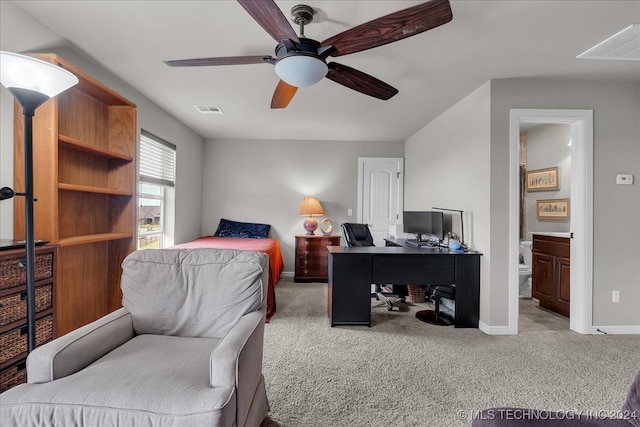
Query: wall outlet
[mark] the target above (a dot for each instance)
(349, 212)
(615, 296)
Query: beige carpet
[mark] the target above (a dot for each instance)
(402, 372)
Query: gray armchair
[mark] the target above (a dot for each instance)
(185, 350)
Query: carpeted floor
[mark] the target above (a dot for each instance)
(403, 372)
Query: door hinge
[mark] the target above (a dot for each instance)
(398, 175)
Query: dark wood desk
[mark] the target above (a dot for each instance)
(352, 270)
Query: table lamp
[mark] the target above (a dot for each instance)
(32, 82)
(310, 207)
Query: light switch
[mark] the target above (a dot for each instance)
(624, 179)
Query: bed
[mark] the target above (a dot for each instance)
(263, 244)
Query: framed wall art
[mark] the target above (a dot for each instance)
(552, 209)
(543, 179)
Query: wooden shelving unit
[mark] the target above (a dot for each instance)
(85, 185)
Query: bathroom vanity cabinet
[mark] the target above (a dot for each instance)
(551, 272)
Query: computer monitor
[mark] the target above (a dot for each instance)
(426, 225)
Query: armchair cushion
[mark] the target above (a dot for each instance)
(192, 293)
(139, 383)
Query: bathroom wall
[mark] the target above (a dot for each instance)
(548, 146)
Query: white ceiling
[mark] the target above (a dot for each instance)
(433, 70)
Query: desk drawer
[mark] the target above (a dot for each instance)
(432, 270)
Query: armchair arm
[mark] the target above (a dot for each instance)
(237, 360)
(72, 352)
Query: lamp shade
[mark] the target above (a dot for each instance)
(24, 72)
(301, 70)
(310, 206)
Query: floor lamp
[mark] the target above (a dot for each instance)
(32, 82)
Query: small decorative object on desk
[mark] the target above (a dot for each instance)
(454, 245)
(326, 227)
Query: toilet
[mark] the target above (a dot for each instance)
(524, 270)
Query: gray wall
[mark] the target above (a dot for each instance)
(265, 181)
(447, 165)
(616, 208)
(616, 213)
(548, 146)
(150, 117)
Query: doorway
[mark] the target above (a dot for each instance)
(380, 194)
(581, 275)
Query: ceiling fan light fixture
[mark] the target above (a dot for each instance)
(301, 70)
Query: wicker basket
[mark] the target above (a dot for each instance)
(12, 376)
(13, 272)
(14, 342)
(416, 293)
(14, 307)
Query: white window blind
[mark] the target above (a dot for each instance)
(157, 160)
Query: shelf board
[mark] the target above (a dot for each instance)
(90, 189)
(92, 149)
(92, 238)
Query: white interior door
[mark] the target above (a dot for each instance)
(380, 194)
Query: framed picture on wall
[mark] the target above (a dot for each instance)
(552, 209)
(543, 179)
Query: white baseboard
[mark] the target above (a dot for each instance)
(595, 330)
(287, 274)
(616, 330)
(495, 330)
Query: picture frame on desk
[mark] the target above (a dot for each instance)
(326, 227)
(543, 179)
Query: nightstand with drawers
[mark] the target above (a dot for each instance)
(13, 309)
(312, 257)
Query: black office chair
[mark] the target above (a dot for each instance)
(435, 317)
(359, 235)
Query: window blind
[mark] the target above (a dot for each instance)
(157, 160)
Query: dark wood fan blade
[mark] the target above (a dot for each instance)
(390, 28)
(223, 60)
(283, 95)
(362, 82)
(270, 17)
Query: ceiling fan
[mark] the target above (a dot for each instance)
(301, 61)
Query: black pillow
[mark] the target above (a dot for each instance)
(251, 230)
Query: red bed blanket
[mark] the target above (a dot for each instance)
(270, 247)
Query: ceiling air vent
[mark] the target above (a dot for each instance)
(209, 109)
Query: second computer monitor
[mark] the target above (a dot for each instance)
(425, 225)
